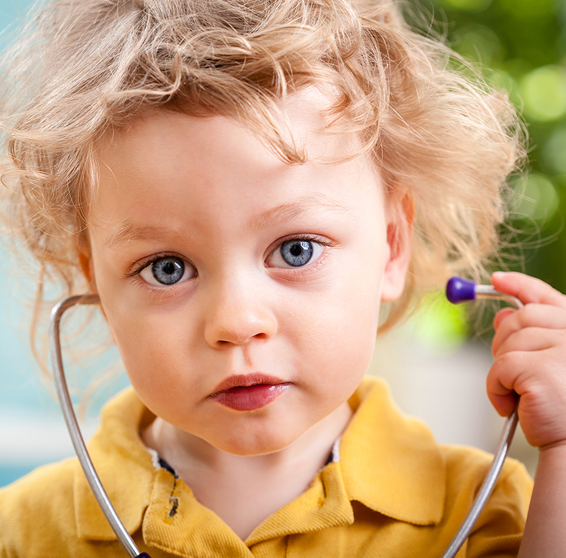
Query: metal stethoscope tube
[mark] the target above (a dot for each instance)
(458, 290)
(73, 425)
(461, 290)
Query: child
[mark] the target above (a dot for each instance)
(243, 183)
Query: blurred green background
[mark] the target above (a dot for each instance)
(519, 46)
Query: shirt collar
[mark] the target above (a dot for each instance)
(391, 463)
(119, 455)
(388, 462)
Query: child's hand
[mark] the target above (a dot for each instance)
(529, 348)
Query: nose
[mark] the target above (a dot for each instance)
(237, 313)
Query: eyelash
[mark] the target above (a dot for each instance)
(309, 268)
(138, 267)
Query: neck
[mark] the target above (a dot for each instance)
(245, 490)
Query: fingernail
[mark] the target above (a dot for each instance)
(498, 274)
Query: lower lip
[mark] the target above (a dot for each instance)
(250, 398)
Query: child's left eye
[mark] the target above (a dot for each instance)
(296, 252)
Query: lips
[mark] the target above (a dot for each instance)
(249, 392)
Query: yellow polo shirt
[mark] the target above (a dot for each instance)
(394, 492)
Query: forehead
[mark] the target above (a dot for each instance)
(303, 120)
(218, 164)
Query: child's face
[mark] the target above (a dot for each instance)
(216, 261)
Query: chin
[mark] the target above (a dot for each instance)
(252, 444)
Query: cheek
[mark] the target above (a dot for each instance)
(336, 335)
(151, 346)
(348, 338)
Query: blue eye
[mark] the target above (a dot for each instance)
(296, 252)
(167, 271)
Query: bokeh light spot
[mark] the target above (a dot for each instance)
(503, 81)
(440, 325)
(544, 93)
(479, 42)
(554, 151)
(536, 197)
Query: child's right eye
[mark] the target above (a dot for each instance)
(167, 271)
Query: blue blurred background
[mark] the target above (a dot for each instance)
(32, 431)
(520, 46)
(24, 403)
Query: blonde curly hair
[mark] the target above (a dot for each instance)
(433, 127)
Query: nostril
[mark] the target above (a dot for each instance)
(238, 324)
(241, 340)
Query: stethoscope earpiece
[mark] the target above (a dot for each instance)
(460, 290)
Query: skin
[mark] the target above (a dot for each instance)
(208, 191)
(529, 349)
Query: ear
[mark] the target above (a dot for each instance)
(85, 261)
(83, 252)
(401, 216)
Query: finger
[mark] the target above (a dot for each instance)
(529, 340)
(500, 316)
(502, 398)
(540, 382)
(527, 289)
(505, 381)
(503, 403)
(522, 372)
(508, 321)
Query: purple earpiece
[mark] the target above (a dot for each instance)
(460, 290)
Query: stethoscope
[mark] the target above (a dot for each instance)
(457, 290)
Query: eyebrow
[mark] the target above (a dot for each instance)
(299, 208)
(130, 232)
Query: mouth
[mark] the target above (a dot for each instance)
(249, 392)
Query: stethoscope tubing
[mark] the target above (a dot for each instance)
(487, 292)
(486, 488)
(481, 291)
(73, 425)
